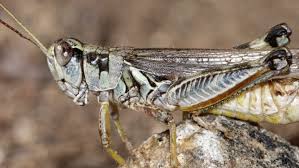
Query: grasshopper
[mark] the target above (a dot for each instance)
(255, 81)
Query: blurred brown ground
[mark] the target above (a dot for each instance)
(41, 127)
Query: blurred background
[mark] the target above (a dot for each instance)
(41, 127)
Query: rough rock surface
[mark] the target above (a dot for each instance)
(212, 141)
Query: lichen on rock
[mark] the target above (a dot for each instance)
(217, 141)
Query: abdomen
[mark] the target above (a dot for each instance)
(275, 102)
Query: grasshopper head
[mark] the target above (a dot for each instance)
(65, 60)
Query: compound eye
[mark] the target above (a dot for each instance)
(63, 52)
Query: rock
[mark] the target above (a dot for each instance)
(217, 141)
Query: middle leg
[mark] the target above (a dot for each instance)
(167, 118)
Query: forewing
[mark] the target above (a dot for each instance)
(185, 62)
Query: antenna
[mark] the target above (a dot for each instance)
(35, 41)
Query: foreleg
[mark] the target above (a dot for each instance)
(105, 128)
(120, 130)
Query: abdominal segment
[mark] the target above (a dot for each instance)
(275, 101)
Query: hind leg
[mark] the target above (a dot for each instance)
(277, 36)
